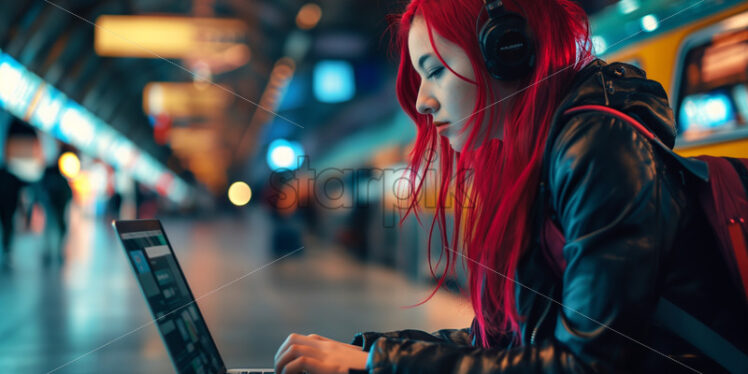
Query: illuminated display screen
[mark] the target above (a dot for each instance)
(177, 316)
(706, 112)
(712, 102)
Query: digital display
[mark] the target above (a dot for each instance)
(707, 111)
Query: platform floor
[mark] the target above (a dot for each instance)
(87, 315)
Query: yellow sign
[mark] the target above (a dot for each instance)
(165, 36)
(180, 100)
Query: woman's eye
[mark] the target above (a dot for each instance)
(435, 73)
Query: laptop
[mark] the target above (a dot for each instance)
(176, 314)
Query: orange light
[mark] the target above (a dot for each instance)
(308, 17)
(69, 165)
(82, 188)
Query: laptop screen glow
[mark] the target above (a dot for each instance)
(177, 315)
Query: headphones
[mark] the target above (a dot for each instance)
(505, 42)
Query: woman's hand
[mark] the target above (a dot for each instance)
(316, 354)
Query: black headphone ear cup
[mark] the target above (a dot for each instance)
(507, 47)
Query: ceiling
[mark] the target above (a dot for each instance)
(55, 40)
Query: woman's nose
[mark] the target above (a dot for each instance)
(426, 104)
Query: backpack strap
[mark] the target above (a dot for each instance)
(725, 204)
(690, 329)
(667, 314)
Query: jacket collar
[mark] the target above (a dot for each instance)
(626, 88)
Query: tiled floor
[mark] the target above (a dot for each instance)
(88, 315)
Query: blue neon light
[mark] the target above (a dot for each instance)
(48, 110)
(284, 154)
(334, 81)
(18, 86)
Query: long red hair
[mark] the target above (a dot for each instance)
(493, 201)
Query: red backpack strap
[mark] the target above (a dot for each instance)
(725, 204)
(616, 113)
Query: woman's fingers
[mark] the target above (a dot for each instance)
(295, 352)
(292, 339)
(305, 365)
(317, 354)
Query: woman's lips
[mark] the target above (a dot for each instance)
(441, 126)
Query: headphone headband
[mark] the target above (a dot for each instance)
(494, 8)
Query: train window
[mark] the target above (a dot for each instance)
(713, 95)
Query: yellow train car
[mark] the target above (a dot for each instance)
(698, 50)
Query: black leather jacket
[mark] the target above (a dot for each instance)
(634, 233)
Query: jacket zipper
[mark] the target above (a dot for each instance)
(540, 321)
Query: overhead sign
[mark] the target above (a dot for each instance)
(166, 36)
(179, 100)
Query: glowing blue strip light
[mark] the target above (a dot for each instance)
(28, 97)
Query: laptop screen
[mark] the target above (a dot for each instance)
(177, 315)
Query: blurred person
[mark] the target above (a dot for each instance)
(53, 192)
(146, 202)
(283, 203)
(10, 189)
(286, 231)
(633, 229)
(353, 234)
(114, 206)
(24, 164)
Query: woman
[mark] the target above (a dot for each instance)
(633, 230)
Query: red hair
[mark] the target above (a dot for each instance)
(495, 199)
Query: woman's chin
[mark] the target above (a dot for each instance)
(459, 144)
(456, 144)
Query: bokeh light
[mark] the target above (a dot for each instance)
(240, 193)
(650, 22)
(284, 154)
(69, 164)
(308, 17)
(334, 81)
